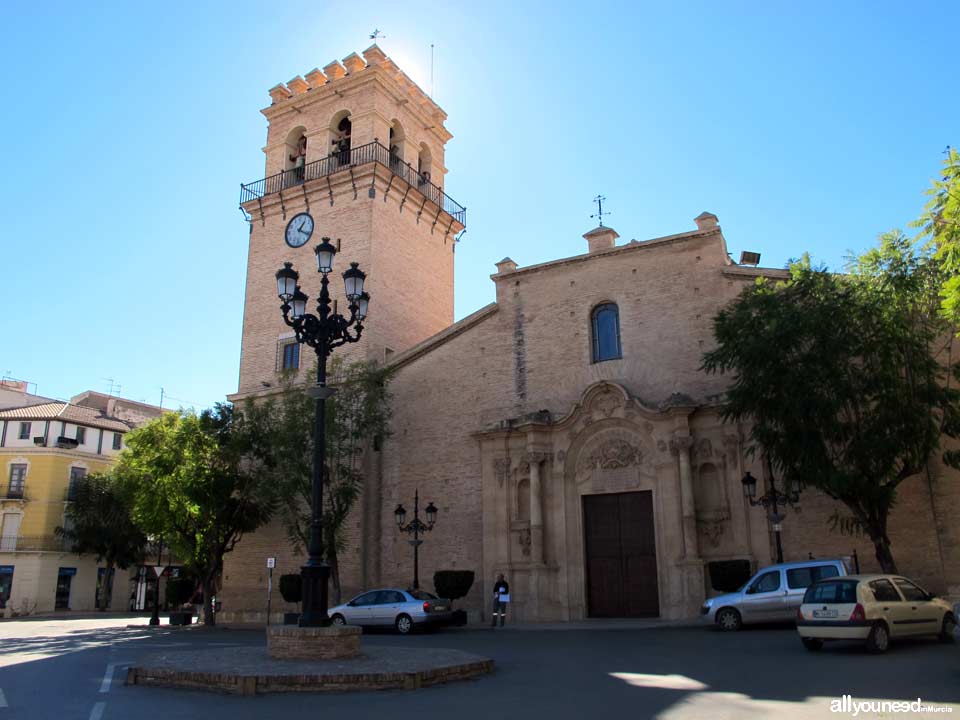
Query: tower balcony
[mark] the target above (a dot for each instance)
(345, 159)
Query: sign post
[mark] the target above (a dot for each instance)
(271, 564)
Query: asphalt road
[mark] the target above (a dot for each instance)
(74, 670)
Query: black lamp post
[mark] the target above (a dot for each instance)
(772, 499)
(155, 618)
(323, 332)
(416, 527)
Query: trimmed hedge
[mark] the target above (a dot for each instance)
(453, 584)
(291, 588)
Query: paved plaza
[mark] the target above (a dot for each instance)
(74, 669)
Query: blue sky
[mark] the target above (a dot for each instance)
(128, 127)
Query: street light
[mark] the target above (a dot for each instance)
(416, 527)
(155, 617)
(324, 332)
(770, 499)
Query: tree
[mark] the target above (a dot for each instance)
(200, 482)
(940, 226)
(844, 379)
(356, 416)
(100, 523)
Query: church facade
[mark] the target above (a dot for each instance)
(565, 432)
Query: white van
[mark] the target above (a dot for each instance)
(773, 594)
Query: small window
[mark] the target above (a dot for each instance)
(768, 582)
(605, 323)
(910, 591)
(117, 439)
(81, 435)
(884, 591)
(24, 431)
(291, 356)
(76, 475)
(18, 475)
(841, 593)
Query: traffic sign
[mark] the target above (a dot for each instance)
(158, 570)
(271, 562)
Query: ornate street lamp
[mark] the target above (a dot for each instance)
(771, 499)
(323, 332)
(416, 527)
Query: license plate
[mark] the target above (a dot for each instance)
(825, 613)
(440, 608)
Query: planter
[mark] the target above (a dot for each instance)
(181, 618)
(291, 618)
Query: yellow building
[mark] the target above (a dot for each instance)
(46, 447)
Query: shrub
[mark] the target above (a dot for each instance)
(179, 591)
(452, 584)
(291, 588)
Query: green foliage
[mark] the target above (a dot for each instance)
(291, 588)
(843, 379)
(453, 584)
(940, 226)
(356, 416)
(100, 524)
(200, 482)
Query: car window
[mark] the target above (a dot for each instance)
(838, 592)
(884, 591)
(910, 591)
(366, 599)
(422, 595)
(822, 572)
(800, 577)
(393, 597)
(768, 582)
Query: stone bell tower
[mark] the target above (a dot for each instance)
(360, 148)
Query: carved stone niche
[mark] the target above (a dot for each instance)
(501, 468)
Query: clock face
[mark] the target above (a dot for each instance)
(299, 230)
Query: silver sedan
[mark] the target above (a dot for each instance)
(403, 609)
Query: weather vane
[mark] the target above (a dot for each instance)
(376, 34)
(600, 213)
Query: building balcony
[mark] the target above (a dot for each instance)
(32, 543)
(14, 493)
(343, 161)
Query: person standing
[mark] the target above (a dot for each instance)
(501, 596)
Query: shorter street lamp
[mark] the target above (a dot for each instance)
(416, 527)
(155, 618)
(772, 499)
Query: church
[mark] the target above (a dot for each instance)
(565, 432)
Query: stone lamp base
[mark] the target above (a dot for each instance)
(313, 643)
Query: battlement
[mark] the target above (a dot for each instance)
(342, 72)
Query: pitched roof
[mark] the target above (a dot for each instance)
(66, 412)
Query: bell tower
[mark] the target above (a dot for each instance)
(358, 147)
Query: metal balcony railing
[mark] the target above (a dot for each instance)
(41, 543)
(342, 160)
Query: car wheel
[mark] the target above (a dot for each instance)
(729, 620)
(338, 619)
(812, 644)
(879, 638)
(404, 624)
(947, 629)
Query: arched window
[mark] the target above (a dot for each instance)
(397, 138)
(295, 155)
(605, 322)
(340, 129)
(424, 163)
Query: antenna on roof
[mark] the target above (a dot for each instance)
(600, 213)
(376, 34)
(431, 71)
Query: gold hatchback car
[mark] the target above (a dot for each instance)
(872, 608)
